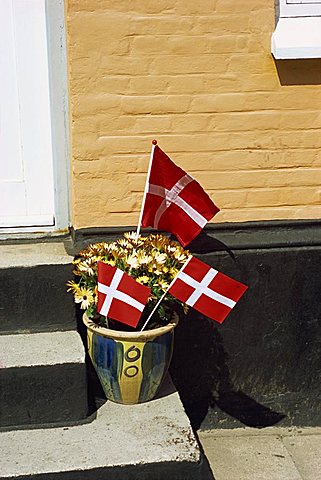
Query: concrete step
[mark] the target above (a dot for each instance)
(150, 441)
(33, 288)
(42, 378)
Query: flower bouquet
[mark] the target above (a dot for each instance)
(152, 260)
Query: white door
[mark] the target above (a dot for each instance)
(26, 158)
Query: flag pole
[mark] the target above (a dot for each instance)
(154, 143)
(157, 304)
(165, 293)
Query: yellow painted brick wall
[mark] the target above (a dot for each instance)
(199, 77)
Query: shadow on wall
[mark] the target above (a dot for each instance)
(299, 72)
(200, 363)
(200, 372)
(262, 366)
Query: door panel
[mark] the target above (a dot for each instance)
(26, 160)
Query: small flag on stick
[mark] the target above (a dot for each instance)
(173, 200)
(120, 297)
(207, 290)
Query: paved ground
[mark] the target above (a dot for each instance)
(269, 454)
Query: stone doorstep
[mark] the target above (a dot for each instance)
(43, 378)
(34, 253)
(150, 441)
(33, 279)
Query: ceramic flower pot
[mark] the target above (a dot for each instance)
(130, 365)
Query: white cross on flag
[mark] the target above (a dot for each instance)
(175, 202)
(120, 297)
(207, 290)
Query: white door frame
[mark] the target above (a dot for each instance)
(58, 85)
(58, 80)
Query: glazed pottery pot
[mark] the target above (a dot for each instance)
(130, 365)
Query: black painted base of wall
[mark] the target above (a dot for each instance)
(262, 366)
(224, 236)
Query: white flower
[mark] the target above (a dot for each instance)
(160, 257)
(144, 259)
(132, 261)
(179, 256)
(130, 235)
(124, 243)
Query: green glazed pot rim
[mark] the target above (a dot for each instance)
(137, 336)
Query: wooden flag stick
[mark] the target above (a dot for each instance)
(154, 143)
(157, 304)
(164, 294)
(153, 311)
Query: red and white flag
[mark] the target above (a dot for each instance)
(207, 290)
(119, 296)
(174, 201)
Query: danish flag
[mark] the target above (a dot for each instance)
(175, 202)
(119, 296)
(207, 290)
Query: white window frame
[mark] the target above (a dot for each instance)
(300, 8)
(298, 31)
